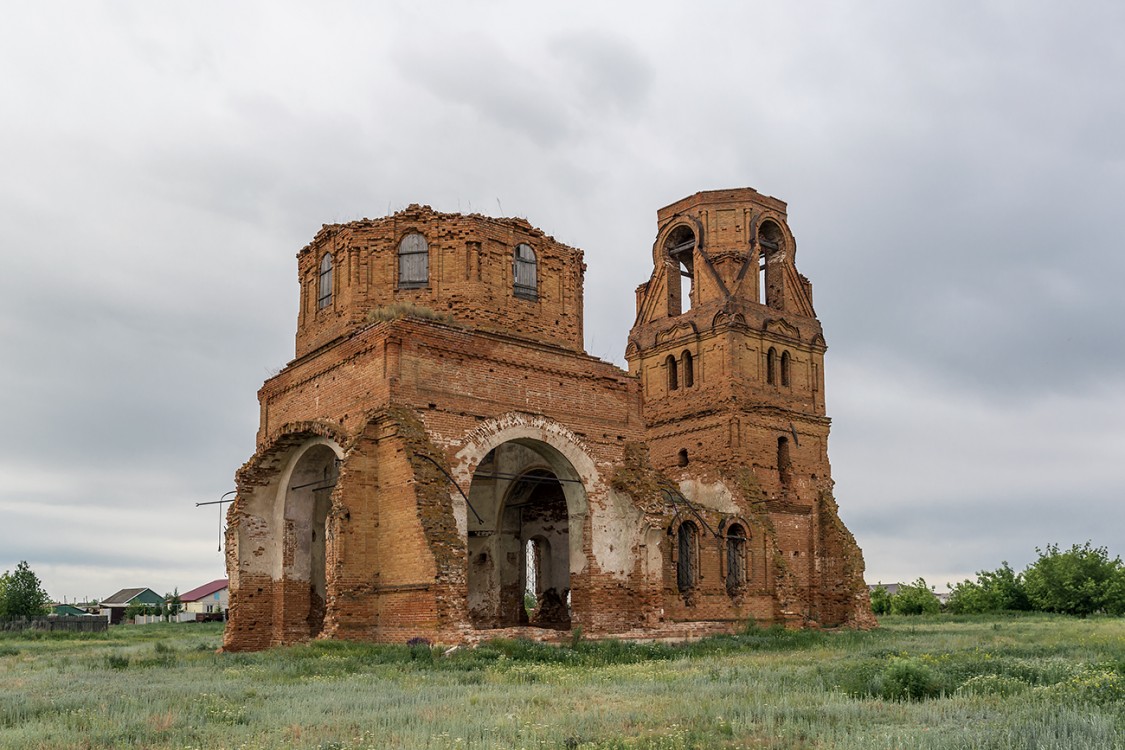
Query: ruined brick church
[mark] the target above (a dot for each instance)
(443, 460)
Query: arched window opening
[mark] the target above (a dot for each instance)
(689, 369)
(687, 557)
(673, 374)
(737, 572)
(413, 262)
(683, 457)
(324, 290)
(771, 366)
(785, 369)
(537, 573)
(526, 284)
(680, 248)
(770, 239)
(784, 463)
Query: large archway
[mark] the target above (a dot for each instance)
(526, 494)
(307, 498)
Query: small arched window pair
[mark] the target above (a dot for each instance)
(324, 288)
(525, 272)
(773, 364)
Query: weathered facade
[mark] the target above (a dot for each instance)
(442, 452)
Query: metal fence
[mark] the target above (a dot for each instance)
(73, 623)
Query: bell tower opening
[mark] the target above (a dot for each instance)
(770, 265)
(680, 249)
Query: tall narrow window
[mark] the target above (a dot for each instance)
(771, 366)
(687, 557)
(689, 369)
(413, 262)
(526, 279)
(736, 558)
(680, 247)
(785, 369)
(324, 289)
(673, 375)
(770, 268)
(784, 463)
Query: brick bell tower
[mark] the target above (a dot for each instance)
(730, 357)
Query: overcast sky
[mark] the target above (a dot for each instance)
(955, 173)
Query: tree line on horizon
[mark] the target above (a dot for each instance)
(1080, 581)
(22, 595)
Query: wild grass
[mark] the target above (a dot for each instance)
(405, 309)
(987, 682)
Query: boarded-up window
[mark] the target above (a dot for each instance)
(673, 374)
(736, 557)
(324, 290)
(771, 366)
(785, 368)
(784, 462)
(689, 369)
(526, 275)
(687, 556)
(413, 262)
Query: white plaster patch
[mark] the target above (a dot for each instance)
(615, 534)
(714, 496)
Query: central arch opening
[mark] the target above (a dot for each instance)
(519, 549)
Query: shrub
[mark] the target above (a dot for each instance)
(907, 679)
(880, 601)
(1098, 686)
(992, 591)
(992, 684)
(915, 599)
(116, 661)
(1080, 581)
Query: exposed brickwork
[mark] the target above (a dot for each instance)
(442, 444)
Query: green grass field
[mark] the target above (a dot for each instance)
(971, 682)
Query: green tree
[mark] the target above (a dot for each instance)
(915, 599)
(880, 600)
(1006, 587)
(992, 591)
(134, 610)
(1080, 581)
(173, 605)
(22, 594)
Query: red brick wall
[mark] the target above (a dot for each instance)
(471, 261)
(451, 369)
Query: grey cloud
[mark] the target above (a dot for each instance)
(609, 71)
(499, 89)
